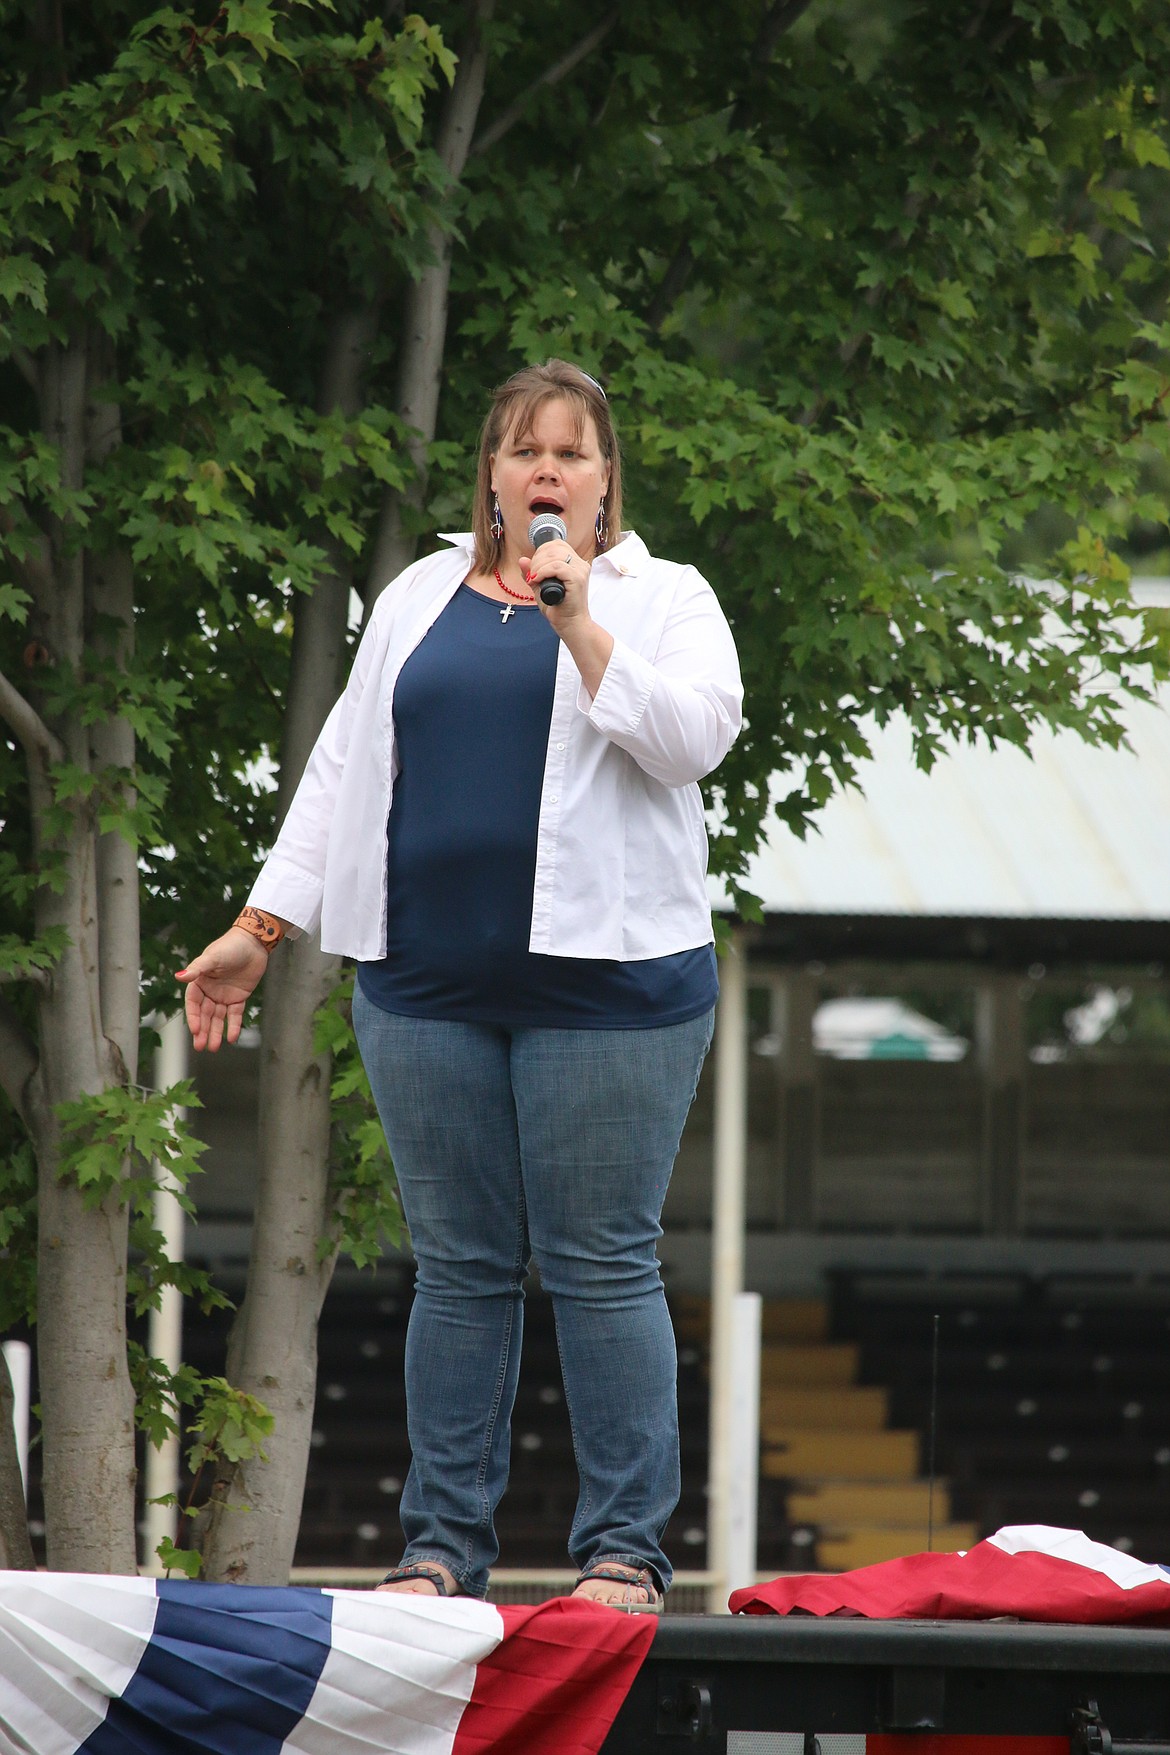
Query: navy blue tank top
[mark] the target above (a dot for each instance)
(472, 708)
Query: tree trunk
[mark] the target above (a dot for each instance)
(273, 1349)
(254, 1514)
(86, 1399)
(87, 1404)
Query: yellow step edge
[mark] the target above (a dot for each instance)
(891, 1503)
(840, 1456)
(788, 1404)
(868, 1547)
(781, 1319)
(795, 1319)
(792, 1362)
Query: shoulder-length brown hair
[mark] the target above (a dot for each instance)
(514, 404)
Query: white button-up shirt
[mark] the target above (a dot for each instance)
(621, 844)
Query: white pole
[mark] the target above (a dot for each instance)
(165, 1334)
(744, 1462)
(727, 1228)
(18, 1358)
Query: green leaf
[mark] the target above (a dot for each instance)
(14, 602)
(1150, 148)
(183, 1560)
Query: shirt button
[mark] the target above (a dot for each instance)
(560, 746)
(554, 799)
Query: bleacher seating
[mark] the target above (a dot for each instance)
(1052, 1403)
(1052, 1407)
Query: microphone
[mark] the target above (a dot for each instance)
(547, 527)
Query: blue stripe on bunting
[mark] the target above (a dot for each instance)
(229, 1670)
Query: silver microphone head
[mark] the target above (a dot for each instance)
(547, 527)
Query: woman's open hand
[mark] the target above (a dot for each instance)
(219, 983)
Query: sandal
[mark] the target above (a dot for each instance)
(418, 1569)
(633, 1577)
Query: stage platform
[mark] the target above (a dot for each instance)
(764, 1685)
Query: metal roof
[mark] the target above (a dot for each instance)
(1065, 830)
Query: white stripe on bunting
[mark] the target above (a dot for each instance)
(411, 1658)
(69, 1642)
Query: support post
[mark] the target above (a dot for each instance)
(165, 1332)
(18, 1358)
(796, 996)
(727, 1250)
(744, 1461)
(999, 1035)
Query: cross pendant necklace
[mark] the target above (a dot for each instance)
(509, 609)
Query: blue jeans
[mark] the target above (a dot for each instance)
(511, 1144)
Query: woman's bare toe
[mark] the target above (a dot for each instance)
(619, 1586)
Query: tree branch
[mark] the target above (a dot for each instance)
(424, 322)
(319, 620)
(18, 1062)
(23, 719)
(109, 592)
(551, 76)
(780, 17)
(26, 366)
(347, 350)
(461, 111)
(975, 22)
(33, 569)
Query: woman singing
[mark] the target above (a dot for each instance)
(501, 823)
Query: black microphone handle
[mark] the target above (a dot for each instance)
(546, 529)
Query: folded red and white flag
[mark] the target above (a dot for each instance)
(111, 1666)
(1030, 1571)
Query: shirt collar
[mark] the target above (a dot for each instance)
(628, 557)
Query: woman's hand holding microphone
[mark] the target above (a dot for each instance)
(554, 569)
(589, 644)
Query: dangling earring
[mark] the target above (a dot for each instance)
(497, 519)
(601, 527)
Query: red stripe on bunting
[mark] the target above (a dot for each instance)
(557, 1680)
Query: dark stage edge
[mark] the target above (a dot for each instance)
(708, 1676)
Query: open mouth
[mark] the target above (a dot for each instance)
(546, 506)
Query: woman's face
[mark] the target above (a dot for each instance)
(546, 467)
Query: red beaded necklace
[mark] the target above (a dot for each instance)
(508, 592)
